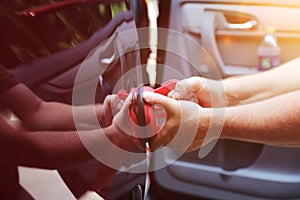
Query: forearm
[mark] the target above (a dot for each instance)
(53, 150)
(57, 116)
(257, 87)
(40, 115)
(52, 116)
(275, 121)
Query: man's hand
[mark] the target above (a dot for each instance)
(106, 111)
(205, 92)
(124, 127)
(183, 129)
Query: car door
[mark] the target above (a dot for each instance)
(228, 34)
(46, 43)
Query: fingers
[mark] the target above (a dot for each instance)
(154, 98)
(114, 103)
(172, 107)
(122, 118)
(181, 90)
(194, 83)
(122, 107)
(180, 128)
(186, 89)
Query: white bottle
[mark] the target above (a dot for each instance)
(269, 52)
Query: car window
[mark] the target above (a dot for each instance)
(34, 29)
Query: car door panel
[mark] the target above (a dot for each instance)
(57, 71)
(260, 180)
(230, 33)
(210, 22)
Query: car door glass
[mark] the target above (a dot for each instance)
(33, 30)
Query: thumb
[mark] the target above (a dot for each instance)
(122, 118)
(116, 104)
(180, 91)
(154, 98)
(185, 89)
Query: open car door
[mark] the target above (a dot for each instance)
(46, 43)
(230, 33)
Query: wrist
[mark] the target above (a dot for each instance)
(212, 121)
(114, 134)
(205, 119)
(217, 93)
(230, 95)
(121, 138)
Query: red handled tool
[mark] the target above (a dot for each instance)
(142, 113)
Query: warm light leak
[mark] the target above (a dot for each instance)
(153, 12)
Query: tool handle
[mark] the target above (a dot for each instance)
(140, 112)
(166, 87)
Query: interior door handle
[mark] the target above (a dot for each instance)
(232, 20)
(242, 26)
